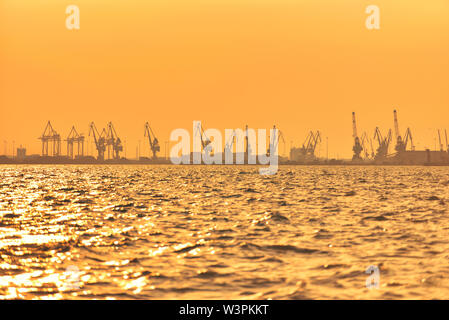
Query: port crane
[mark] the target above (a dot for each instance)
(401, 144)
(112, 140)
(230, 143)
(72, 138)
(205, 141)
(50, 136)
(357, 148)
(99, 139)
(154, 142)
(364, 141)
(408, 137)
(383, 144)
(312, 141)
(275, 141)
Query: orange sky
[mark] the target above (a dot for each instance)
(301, 65)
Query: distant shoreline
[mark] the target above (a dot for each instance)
(347, 163)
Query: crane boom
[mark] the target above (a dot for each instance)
(99, 140)
(154, 142)
(408, 136)
(396, 125)
(204, 141)
(114, 141)
(354, 126)
(230, 143)
(317, 139)
(378, 136)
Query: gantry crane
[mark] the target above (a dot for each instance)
(154, 143)
(50, 135)
(99, 139)
(112, 140)
(383, 144)
(401, 145)
(357, 148)
(72, 138)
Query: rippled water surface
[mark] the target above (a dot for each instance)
(223, 232)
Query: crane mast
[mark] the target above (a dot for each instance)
(275, 141)
(396, 125)
(400, 145)
(230, 143)
(354, 126)
(248, 146)
(357, 148)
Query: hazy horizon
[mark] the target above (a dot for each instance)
(300, 65)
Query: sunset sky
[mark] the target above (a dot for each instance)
(300, 64)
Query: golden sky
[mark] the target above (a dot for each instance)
(302, 65)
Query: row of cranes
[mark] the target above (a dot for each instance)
(106, 142)
(109, 145)
(109, 141)
(229, 145)
(50, 137)
(306, 152)
(365, 144)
